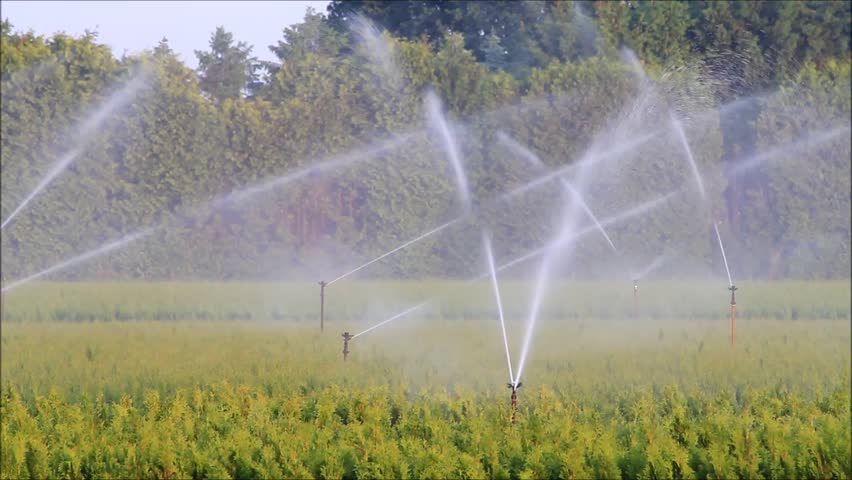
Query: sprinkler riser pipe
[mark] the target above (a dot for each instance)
(346, 337)
(322, 305)
(514, 398)
(635, 299)
(733, 324)
(733, 289)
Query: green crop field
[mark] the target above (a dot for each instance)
(426, 240)
(426, 396)
(368, 301)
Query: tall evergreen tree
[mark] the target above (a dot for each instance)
(227, 70)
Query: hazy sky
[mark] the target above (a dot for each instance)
(134, 26)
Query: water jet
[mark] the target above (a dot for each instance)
(490, 254)
(398, 315)
(437, 120)
(90, 125)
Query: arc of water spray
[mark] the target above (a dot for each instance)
(678, 127)
(724, 258)
(650, 267)
(551, 255)
(532, 158)
(538, 296)
(579, 199)
(410, 242)
(639, 209)
(91, 124)
(81, 258)
(237, 196)
(378, 50)
(398, 315)
(248, 192)
(57, 168)
(645, 84)
(788, 148)
(334, 162)
(521, 150)
(436, 118)
(559, 172)
(490, 254)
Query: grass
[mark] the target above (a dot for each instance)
(114, 358)
(457, 300)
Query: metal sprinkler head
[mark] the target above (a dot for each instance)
(514, 398)
(733, 289)
(346, 337)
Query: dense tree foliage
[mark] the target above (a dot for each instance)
(546, 73)
(227, 70)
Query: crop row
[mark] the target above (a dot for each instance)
(237, 432)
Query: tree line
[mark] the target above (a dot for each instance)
(549, 74)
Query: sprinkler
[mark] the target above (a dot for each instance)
(635, 299)
(733, 289)
(514, 388)
(322, 285)
(346, 337)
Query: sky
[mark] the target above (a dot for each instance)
(133, 26)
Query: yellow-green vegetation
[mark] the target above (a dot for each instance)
(425, 398)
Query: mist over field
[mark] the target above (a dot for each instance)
(433, 240)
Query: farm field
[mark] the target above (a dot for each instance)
(426, 240)
(370, 301)
(422, 398)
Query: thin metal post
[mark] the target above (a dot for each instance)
(346, 337)
(635, 299)
(322, 305)
(733, 289)
(514, 398)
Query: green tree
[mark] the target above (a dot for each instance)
(803, 190)
(227, 70)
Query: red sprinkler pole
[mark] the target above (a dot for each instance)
(346, 337)
(322, 304)
(733, 289)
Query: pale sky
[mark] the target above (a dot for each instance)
(133, 26)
